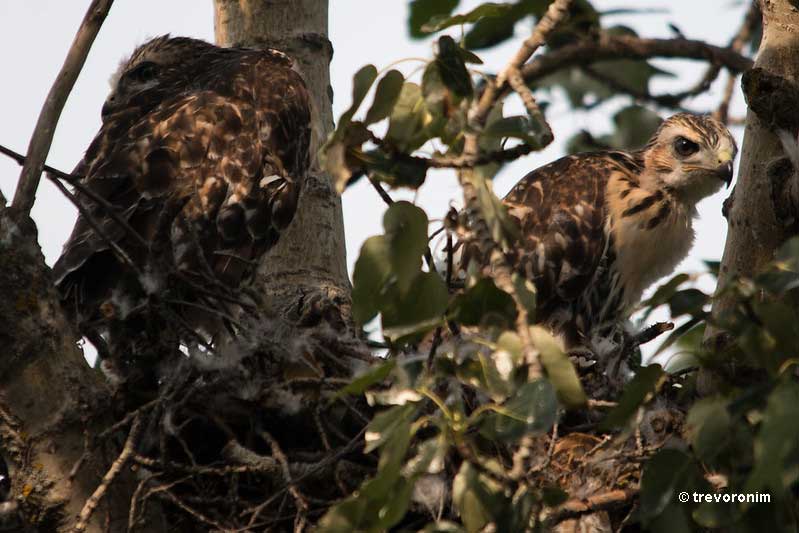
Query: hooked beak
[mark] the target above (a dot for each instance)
(724, 172)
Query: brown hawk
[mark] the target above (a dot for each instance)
(197, 166)
(599, 228)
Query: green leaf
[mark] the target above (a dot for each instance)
(532, 409)
(372, 270)
(421, 11)
(519, 127)
(777, 442)
(396, 171)
(339, 155)
(418, 311)
(474, 496)
(665, 475)
(716, 515)
(631, 73)
(678, 333)
(526, 292)
(708, 427)
(344, 517)
(396, 506)
(406, 128)
(687, 302)
(489, 9)
(386, 95)
(491, 30)
(484, 304)
(361, 83)
(645, 382)
(469, 57)
(635, 125)
(560, 370)
(386, 424)
(682, 361)
(692, 340)
(504, 229)
(377, 373)
(406, 234)
(788, 254)
(452, 68)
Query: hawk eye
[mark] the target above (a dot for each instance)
(684, 147)
(143, 72)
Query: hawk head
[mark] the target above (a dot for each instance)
(169, 65)
(690, 156)
(159, 64)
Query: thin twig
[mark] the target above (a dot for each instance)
(652, 332)
(555, 14)
(470, 181)
(723, 110)
(533, 109)
(741, 37)
(436, 342)
(43, 133)
(94, 500)
(596, 502)
(277, 453)
(194, 512)
(53, 174)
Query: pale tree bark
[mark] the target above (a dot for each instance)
(756, 227)
(50, 398)
(310, 259)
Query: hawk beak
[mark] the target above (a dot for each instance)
(725, 173)
(724, 170)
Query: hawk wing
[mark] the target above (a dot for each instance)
(231, 156)
(562, 213)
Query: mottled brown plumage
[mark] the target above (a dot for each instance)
(599, 228)
(202, 151)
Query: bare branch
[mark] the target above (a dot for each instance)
(92, 503)
(53, 174)
(607, 47)
(556, 12)
(468, 178)
(596, 502)
(652, 332)
(51, 110)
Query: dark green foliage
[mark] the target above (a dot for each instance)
(453, 410)
(634, 126)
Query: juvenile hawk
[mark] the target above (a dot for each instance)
(599, 228)
(201, 153)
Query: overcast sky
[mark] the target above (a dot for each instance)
(35, 35)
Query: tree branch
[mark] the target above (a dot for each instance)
(469, 179)
(116, 467)
(43, 133)
(608, 47)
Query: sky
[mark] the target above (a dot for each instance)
(36, 34)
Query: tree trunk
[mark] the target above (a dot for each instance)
(49, 396)
(309, 261)
(755, 228)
